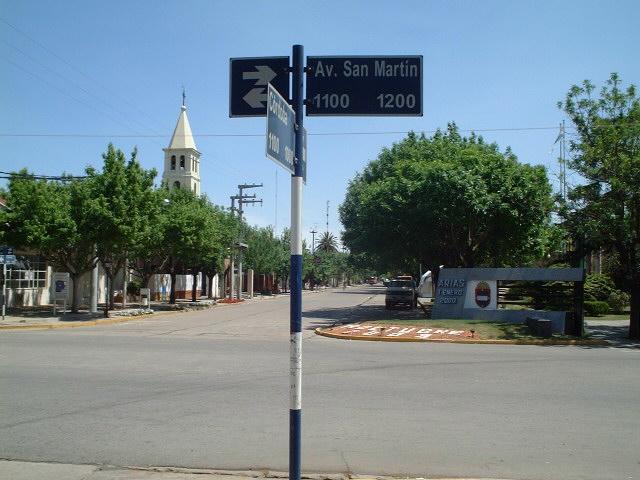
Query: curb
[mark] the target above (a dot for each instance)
(542, 341)
(94, 323)
(88, 323)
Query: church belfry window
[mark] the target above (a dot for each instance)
(173, 162)
(182, 161)
(176, 184)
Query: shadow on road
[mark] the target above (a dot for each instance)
(616, 335)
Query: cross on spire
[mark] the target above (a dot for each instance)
(184, 96)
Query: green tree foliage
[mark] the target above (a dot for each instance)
(447, 200)
(121, 205)
(327, 243)
(50, 218)
(264, 250)
(604, 211)
(191, 235)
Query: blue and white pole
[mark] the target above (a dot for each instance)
(295, 328)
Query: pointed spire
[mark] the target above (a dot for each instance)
(182, 136)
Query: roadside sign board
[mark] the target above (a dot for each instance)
(281, 138)
(248, 79)
(60, 285)
(364, 85)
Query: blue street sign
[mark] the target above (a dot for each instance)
(8, 259)
(304, 155)
(248, 79)
(364, 85)
(281, 135)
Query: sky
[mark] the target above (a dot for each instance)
(76, 75)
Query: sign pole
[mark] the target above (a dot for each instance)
(4, 287)
(295, 330)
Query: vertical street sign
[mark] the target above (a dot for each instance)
(280, 130)
(365, 85)
(248, 79)
(304, 155)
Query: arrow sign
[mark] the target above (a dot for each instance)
(255, 98)
(248, 79)
(263, 75)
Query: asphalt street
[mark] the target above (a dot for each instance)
(209, 389)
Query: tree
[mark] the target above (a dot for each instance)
(121, 202)
(263, 251)
(149, 255)
(327, 243)
(228, 226)
(189, 233)
(447, 200)
(604, 211)
(51, 218)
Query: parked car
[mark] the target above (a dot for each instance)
(401, 291)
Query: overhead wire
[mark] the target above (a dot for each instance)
(229, 170)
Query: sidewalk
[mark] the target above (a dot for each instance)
(16, 470)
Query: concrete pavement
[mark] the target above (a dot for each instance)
(56, 471)
(202, 390)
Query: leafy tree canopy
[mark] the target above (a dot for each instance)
(447, 200)
(604, 211)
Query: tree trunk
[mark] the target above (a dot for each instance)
(172, 294)
(110, 298)
(210, 286)
(75, 292)
(194, 287)
(204, 289)
(634, 318)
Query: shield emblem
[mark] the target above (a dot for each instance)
(483, 294)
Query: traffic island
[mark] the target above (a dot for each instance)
(448, 331)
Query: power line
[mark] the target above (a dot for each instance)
(257, 135)
(70, 65)
(75, 84)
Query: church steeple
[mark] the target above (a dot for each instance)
(181, 158)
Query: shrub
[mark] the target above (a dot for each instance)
(594, 308)
(618, 300)
(598, 287)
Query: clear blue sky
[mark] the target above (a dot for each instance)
(119, 67)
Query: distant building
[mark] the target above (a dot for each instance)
(182, 158)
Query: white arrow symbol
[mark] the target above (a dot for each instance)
(256, 97)
(263, 75)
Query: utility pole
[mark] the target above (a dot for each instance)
(242, 200)
(327, 216)
(94, 288)
(563, 162)
(313, 241)
(232, 275)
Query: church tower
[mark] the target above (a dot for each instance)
(181, 158)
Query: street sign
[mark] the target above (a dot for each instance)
(281, 135)
(248, 79)
(364, 85)
(304, 155)
(8, 259)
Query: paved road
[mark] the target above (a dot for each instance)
(210, 389)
